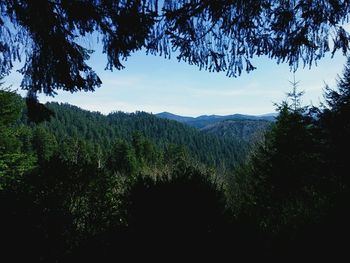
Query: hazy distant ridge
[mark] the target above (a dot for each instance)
(205, 120)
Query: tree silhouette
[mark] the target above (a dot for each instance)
(295, 95)
(220, 35)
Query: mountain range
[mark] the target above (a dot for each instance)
(205, 120)
(246, 128)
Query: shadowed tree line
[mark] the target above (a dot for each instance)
(71, 199)
(294, 188)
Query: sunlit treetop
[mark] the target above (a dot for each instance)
(215, 35)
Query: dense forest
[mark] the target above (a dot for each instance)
(250, 131)
(97, 129)
(79, 186)
(87, 186)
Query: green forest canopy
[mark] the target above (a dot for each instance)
(68, 193)
(66, 198)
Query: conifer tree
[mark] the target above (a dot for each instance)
(221, 35)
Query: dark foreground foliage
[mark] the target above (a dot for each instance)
(68, 199)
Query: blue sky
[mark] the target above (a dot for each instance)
(154, 84)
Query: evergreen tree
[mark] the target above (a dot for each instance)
(278, 191)
(13, 163)
(335, 121)
(122, 159)
(44, 143)
(200, 32)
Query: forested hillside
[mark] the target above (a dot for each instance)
(76, 186)
(71, 122)
(251, 131)
(243, 128)
(84, 186)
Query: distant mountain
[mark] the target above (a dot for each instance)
(205, 120)
(246, 130)
(174, 117)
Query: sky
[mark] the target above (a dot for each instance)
(154, 84)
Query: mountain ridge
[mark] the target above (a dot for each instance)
(204, 120)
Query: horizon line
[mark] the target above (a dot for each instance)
(165, 111)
